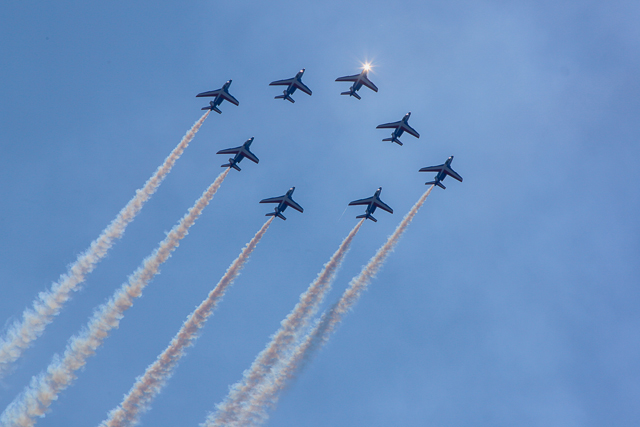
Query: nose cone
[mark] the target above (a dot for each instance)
(302, 71)
(292, 188)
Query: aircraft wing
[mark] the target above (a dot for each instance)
(411, 131)
(298, 84)
(368, 83)
(229, 98)
(348, 78)
(380, 204)
(210, 93)
(453, 174)
(294, 205)
(249, 155)
(273, 200)
(432, 168)
(366, 201)
(389, 125)
(285, 82)
(235, 150)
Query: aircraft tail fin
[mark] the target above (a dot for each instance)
(231, 165)
(438, 183)
(368, 216)
(287, 97)
(278, 214)
(396, 140)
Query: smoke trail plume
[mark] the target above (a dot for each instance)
(147, 387)
(297, 321)
(48, 304)
(34, 401)
(266, 394)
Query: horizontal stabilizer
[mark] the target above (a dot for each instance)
(278, 214)
(351, 94)
(368, 216)
(438, 183)
(231, 165)
(287, 97)
(212, 108)
(397, 141)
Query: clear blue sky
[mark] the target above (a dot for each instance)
(513, 298)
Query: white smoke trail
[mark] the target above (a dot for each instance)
(44, 389)
(155, 377)
(266, 394)
(228, 411)
(48, 304)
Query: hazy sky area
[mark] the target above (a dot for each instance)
(513, 298)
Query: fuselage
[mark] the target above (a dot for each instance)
(236, 159)
(397, 133)
(282, 206)
(372, 206)
(358, 83)
(292, 88)
(443, 174)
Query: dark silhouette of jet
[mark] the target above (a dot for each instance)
(358, 80)
(292, 84)
(283, 202)
(443, 170)
(240, 153)
(221, 94)
(400, 127)
(372, 203)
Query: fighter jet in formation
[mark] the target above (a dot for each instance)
(240, 153)
(443, 170)
(358, 80)
(400, 127)
(283, 202)
(372, 203)
(221, 94)
(292, 84)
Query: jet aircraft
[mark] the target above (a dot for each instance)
(221, 94)
(283, 202)
(358, 80)
(292, 84)
(372, 203)
(443, 171)
(400, 127)
(240, 153)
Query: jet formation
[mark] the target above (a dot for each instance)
(295, 83)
